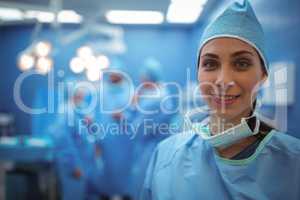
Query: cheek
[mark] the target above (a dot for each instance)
(206, 80)
(249, 87)
(251, 80)
(206, 88)
(206, 85)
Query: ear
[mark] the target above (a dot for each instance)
(263, 79)
(260, 83)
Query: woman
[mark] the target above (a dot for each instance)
(231, 154)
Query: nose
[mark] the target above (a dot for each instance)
(224, 79)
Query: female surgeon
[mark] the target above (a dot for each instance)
(230, 154)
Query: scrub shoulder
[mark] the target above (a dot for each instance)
(166, 150)
(286, 143)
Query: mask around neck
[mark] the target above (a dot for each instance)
(226, 138)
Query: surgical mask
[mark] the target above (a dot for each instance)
(225, 138)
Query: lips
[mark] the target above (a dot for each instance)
(225, 99)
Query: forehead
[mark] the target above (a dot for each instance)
(226, 46)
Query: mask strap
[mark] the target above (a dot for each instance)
(189, 114)
(205, 109)
(257, 122)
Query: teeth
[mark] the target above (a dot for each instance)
(226, 97)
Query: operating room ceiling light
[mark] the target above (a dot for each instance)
(134, 17)
(44, 65)
(185, 11)
(86, 61)
(69, 16)
(26, 62)
(93, 74)
(103, 61)
(189, 2)
(77, 65)
(63, 16)
(37, 57)
(91, 62)
(41, 16)
(43, 48)
(85, 52)
(11, 14)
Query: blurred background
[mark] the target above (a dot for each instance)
(57, 55)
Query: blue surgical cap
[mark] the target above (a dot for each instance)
(151, 70)
(237, 21)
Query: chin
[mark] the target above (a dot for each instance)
(227, 113)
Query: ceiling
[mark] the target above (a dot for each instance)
(88, 7)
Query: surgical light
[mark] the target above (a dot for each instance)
(93, 74)
(85, 52)
(91, 62)
(44, 65)
(26, 62)
(86, 61)
(36, 56)
(10, 14)
(190, 2)
(180, 11)
(77, 65)
(103, 61)
(69, 16)
(43, 49)
(41, 16)
(134, 17)
(64, 16)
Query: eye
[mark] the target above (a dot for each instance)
(209, 64)
(242, 64)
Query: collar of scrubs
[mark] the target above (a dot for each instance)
(194, 141)
(227, 137)
(260, 149)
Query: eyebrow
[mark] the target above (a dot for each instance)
(233, 55)
(241, 52)
(210, 55)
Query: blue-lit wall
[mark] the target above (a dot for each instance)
(168, 44)
(281, 20)
(171, 46)
(175, 47)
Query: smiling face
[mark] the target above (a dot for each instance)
(230, 72)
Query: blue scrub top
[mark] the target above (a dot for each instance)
(186, 167)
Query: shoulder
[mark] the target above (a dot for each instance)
(164, 155)
(166, 150)
(286, 143)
